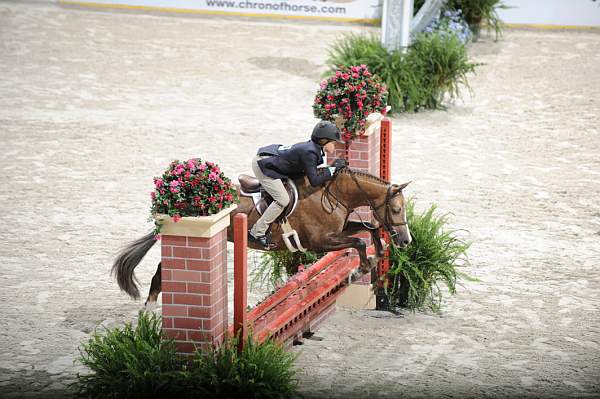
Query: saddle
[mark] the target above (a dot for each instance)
(251, 187)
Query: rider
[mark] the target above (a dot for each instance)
(276, 162)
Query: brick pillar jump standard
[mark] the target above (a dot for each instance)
(194, 288)
(362, 154)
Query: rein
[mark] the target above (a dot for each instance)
(327, 195)
(386, 220)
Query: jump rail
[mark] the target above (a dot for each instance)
(297, 307)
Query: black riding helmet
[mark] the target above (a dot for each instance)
(326, 130)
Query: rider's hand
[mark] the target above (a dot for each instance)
(339, 163)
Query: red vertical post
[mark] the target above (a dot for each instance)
(385, 150)
(385, 172)
(240, 277)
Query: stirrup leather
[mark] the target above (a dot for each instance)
(288, 232)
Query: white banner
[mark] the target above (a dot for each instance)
(552, 12)
(340, 10)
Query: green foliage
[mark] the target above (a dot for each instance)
(432, 68)
(259, 371)
(478, 12)
(417, 6)
(130, 362)
(136, 362)
(475, 12)
(442, 65)
(275, 266)
(357, 49)
(432, 258)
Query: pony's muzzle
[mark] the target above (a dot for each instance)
(401, 240)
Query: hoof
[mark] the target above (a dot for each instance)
(373, 261)
(384, 247)
(355, 275)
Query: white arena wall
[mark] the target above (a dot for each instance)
(552, 12)
(544, 13)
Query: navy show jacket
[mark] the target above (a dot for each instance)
(294, 161)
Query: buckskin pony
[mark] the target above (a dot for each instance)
(320, 218)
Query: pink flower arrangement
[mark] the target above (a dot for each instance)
(191, 188)
(350, 95)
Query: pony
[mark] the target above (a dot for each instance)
(320, 219)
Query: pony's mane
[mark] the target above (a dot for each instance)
(364, 174)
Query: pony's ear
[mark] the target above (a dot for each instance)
(398, 188)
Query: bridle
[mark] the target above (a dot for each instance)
(386, 220)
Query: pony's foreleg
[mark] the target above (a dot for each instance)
(154, 288)
(343, 240)
(357, 227)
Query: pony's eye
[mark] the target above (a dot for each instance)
(396, 210)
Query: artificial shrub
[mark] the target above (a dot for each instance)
(450, 22)
(137, 362)
(433, 68)
(480, 12)
(441, 65)
(432, 258)
(259, 371)
(475, 12)
(131, 362)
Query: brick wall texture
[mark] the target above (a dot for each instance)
(194, 290)
(362, 154)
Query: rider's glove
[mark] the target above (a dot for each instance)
(339, 163)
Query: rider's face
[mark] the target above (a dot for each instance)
(329, 148)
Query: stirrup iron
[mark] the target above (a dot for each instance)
(288, 232)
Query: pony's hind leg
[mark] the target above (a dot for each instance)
(154, 288)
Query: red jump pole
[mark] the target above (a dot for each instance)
(240, 277)
(296, 282)
(385, 172)
(385, 150)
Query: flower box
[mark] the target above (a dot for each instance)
(348, 98)
(192, 190)
(195, 226)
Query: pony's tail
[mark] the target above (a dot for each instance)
(127, 260)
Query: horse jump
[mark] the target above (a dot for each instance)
(193, 271)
